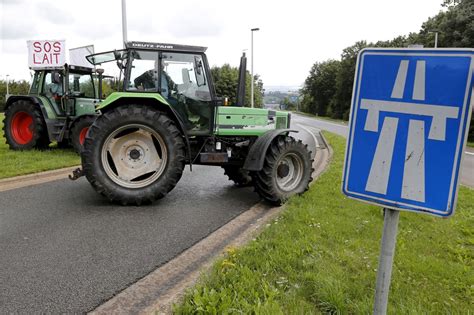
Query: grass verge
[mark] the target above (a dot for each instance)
(321, 255)
(470, 144)
(16, 163)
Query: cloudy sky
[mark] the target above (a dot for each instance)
(293, 34)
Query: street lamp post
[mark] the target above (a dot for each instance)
(251, 54)
(124, 22)
(436, 37)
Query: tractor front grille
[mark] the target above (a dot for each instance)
(281, 122)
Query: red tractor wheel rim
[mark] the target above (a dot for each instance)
(82, 135)
(21, 128)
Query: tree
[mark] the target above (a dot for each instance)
(322, 96)
(455, 26)
(341, 103)
(21, 87)
(450, 3)
(290, 102)
(226, 79)
(320, 87)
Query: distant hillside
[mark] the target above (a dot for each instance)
(284, 100)
(281, 88)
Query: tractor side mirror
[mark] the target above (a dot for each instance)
(200, 78)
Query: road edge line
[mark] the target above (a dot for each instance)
(160, 289)
(35, 178)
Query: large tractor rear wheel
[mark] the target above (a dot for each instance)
(133, 154)
(286, 170)
(79, 132)
(24, 127)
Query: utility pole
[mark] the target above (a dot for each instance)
(124, 22)
(251, 53)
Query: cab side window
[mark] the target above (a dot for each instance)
(81, 85)
(144, 72)
(35, 83)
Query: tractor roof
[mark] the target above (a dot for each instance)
(165, 47)
(72, 68)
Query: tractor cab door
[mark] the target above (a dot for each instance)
(53, 88)
(184, 83)
(81, 94)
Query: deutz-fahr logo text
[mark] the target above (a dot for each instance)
(152, 45)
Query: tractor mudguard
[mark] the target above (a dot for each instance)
(49, 116)
(13, 98)
(119, 98)
(124, 96)
(256, 156)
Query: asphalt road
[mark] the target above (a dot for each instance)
(467, 166)
(65, 249)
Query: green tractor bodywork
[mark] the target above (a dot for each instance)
(229, 120)
(168, 115)
(244, 121)
(59, 107)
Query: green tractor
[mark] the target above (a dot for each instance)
(168, 115)
(59, 107)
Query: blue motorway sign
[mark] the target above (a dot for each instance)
(409, 120)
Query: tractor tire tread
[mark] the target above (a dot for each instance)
(40, 139)
(96, 136)
(79, 124)
(264, 181)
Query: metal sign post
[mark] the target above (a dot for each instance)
(387, 251)
(408, 126)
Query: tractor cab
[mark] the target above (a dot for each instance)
(179, 74)
(70, 90)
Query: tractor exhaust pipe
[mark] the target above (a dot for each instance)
(242, 77)
(100, 72)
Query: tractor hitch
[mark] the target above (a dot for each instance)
(78, 172)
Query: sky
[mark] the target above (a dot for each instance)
(293, 34)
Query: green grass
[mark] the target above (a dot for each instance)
(470, 144)
(14, 163)
(321, 255)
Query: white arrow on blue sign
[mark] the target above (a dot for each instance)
(409, 120)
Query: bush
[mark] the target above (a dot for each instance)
(14, 88)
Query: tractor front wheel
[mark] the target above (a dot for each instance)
(133, 154)
(24, 127)
(286, 171)
(79, 132)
